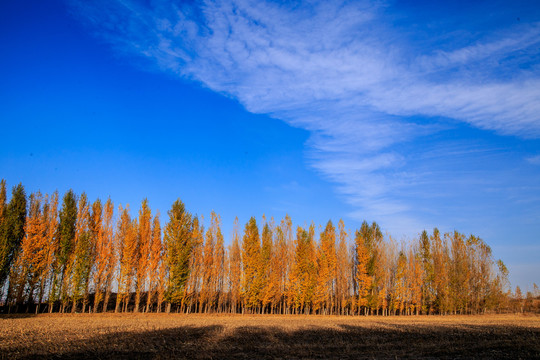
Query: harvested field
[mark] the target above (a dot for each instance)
(163, 336)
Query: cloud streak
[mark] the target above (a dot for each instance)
(341, 71)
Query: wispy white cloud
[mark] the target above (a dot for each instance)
(338, 70)
(492, 50)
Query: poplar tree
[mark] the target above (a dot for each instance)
(51, 231)
(440, 269)
(42, 252)
(196, 266)
(384, 274)
(372, 236)
(26, 267)
(288, 256)
(501, 286)
(218, 266)
(127, 251)
(83, 255)
(362, 278)
(235, 270)
(279, 269)
(212, 265)
(264, 267)
(29, 271)
(251, 249)
(110, 255)
(163, 271)
(156, 254)
(66, 241)
(343, 269)
(484, 263)
(326, 261)
(178, 241)
(400, 285)
(304, 270)
(13, 232)
(319, 291)
(207, 256)
(428, 278)
(459, 272)
(416, 275)
(143, 246)
(100, 244)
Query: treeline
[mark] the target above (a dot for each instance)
(81, 256)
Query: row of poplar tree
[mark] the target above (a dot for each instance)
(81, 256)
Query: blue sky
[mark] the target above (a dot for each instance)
(411, 114)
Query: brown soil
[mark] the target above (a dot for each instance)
(160, 336)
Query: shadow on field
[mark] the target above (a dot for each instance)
(17, 316)
(343, 342)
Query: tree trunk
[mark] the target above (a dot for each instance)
(137, 302)
(106, 302)
(117, 307)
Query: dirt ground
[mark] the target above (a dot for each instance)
(161, 336)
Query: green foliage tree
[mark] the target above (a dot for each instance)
(83, 254)
(178, 241)
(13, 231)
(66, 243)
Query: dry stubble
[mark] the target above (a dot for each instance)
(273, 337)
